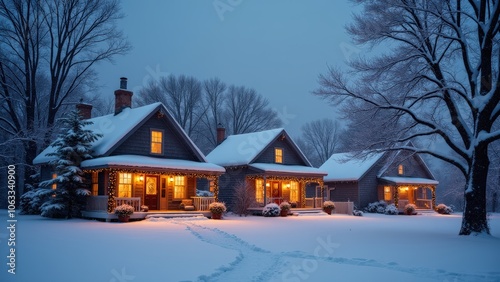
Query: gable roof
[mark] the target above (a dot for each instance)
(115, 129)
(417, 157)
(244, 149)
(345, 167)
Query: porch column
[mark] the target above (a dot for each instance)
(216, 188)
(396, 195)
(433, 189)
(302, 194)
(265, 191)
(111, 191)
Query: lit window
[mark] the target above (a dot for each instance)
(259, 190)
(387, 194)
(156, 142)
(294, 191)
(401, 169)
(278, 155)
(179, 187)
(95, 183)
(54, 185)
(125, 185)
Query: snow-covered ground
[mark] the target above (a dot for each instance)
(299, 248)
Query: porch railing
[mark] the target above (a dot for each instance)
(315, 202)
(202, 203)
(97, 203)
(133, 201)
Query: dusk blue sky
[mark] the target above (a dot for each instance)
(276, 47)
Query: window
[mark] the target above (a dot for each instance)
(156, 142)
(294, 191)
(401, 169)
(54, 176)
(259, 190)
(179, 187)
(125, 185)
(387, 194)
(278, 155)
(95, 183)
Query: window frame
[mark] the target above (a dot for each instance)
(176, 186)
(151, 142)
(401, 169)
(282, 157)
(122, 184)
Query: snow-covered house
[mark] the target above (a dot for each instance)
(267, 161)
(398, 177)
(144, 157)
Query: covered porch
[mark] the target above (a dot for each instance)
(401, 191)
(149, 184)
(274, 183)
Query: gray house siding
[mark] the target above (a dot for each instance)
(228, 182)
(412, 166)
(344, 191)
(139, 142)
(290, 156)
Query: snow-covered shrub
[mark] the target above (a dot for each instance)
(124, 210)
(270, 210)
(328, 205)
(376, 207)
(391, 210)
(204, 193)
(410, 209)
(243, 198)
(444, 209)
(144, 208)
(285, 206)
(357, 213)
(31, 201)
(217, 207)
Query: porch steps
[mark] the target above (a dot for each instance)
(174, 215)
(308, 212)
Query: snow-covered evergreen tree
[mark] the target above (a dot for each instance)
(73, 146)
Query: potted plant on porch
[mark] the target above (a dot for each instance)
(217, 209)
(124, 212)
(284, 208)
(328, 206)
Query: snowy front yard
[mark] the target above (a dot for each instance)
(303, 248)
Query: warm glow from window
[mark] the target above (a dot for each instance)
(401, 169)
(278, 155)
(259, 190)
(156, 142)
(125, 185)
(179, 187)
(95, 183)
(54, 176)
(387, 194)
(294, 191)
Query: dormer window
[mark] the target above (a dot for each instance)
(156, 142)
(401, 169)
(278, 155)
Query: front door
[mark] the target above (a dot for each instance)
(275, 192)
(151, 193)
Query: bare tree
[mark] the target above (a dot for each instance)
(47, 51)
(438, 75)
(323, 137)
(247, 111)
(181, 95)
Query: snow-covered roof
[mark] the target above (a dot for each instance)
(242, 149)
(409, 180)
(288, 169)
(114, 128)
(135, 161)
(345, 167)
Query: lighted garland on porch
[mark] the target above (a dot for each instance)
(433, 197)
(111, 191)
(396, 196)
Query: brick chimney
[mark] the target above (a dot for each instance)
(123, 97)
(221, 133)
(85, 110)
